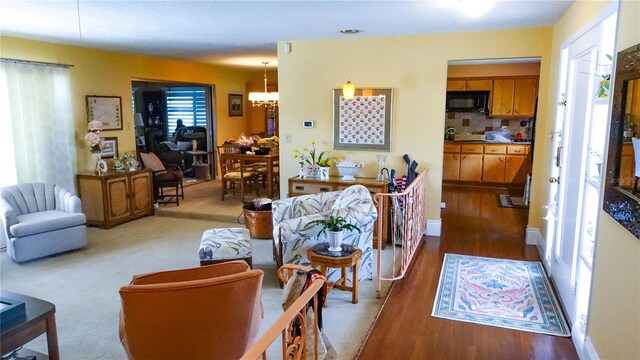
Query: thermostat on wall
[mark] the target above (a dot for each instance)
(308, 124)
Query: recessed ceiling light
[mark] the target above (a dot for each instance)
(349, 31)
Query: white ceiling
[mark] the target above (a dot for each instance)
(244, 33)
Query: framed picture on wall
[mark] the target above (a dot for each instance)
(106, 109)
(235, 104)
(110, 148)
(364, 121)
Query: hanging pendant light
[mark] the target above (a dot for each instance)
(348, 90)
(268, 99)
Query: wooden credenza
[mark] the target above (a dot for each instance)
(299, 186)
(116, 197)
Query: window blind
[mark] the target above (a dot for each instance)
(188, 104)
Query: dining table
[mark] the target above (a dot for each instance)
(269, 159)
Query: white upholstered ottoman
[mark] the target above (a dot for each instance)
(225, 244)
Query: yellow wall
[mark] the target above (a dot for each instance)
(614, 318)
(415, 67)
(97, 72)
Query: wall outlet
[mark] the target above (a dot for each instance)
(443, 205)
(287, 138)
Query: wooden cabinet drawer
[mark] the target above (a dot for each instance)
(471, 149)
(627, 149)
(495, 149)
(451, 148)
(517, 150)
(301, 188)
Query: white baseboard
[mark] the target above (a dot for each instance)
(434, 227)
(590, 350)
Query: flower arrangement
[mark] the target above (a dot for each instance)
(324, 159)
(93, 139)
(126, 161)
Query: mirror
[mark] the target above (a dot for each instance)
(622, 192)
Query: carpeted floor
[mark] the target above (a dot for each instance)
(84, 285)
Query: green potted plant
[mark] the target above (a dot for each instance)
(335, 225)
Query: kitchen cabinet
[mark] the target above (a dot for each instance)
(493, 169)
(486, 163)
(627, 166)
(299, 186)
(514, 97)
(469, 84)
(115, 197)
(451, 167)
(516, 169)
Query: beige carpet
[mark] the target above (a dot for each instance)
(84, 285)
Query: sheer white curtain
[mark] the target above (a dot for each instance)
(36, 116)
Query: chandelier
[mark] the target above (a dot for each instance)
(268, 99)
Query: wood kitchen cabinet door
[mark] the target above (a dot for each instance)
(524, 98)
(517, 167)
(627, 166)
(502, 97)
(479, 85)
(471, 167)
(451, 167)
(456, 85)
(493, 170)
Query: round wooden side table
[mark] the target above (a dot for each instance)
(319, 255)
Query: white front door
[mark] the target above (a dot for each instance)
(580, 89)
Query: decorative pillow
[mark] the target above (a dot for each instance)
(152, 162)
(184, 145)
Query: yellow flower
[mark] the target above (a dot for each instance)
(313, 142)
(305, 148)
(328, 151)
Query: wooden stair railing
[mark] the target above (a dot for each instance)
(293, 346)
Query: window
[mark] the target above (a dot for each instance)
(188, 104)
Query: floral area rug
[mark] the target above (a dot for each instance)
(498, 292)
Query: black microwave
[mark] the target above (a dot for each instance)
(468, 101)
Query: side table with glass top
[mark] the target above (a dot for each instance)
(319, 255)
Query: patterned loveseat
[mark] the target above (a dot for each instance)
(292, 235)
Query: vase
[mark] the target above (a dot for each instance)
(381, 160)
(311, 171)
(324, 172)
(95, 157)
(335, 240)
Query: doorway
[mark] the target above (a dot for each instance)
(175, 116)
(489, 127)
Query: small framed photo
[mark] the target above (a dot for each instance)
(110, 148)
(235, 104)
(106, 109)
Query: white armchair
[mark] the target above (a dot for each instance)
(38, 220)
(292, 235)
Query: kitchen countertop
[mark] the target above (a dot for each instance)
(485, 142)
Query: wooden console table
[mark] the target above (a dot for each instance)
(299, 186)
(38, 319)
(116, 197)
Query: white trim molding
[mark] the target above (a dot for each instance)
(590, 350)
(534, 237)
(433, 228)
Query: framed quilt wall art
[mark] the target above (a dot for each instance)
(363, 122)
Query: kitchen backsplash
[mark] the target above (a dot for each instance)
(479, 123)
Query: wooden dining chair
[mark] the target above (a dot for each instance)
(235, 175)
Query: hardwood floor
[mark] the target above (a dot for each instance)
(473, 224)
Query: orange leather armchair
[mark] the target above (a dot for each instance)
(209, 312)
